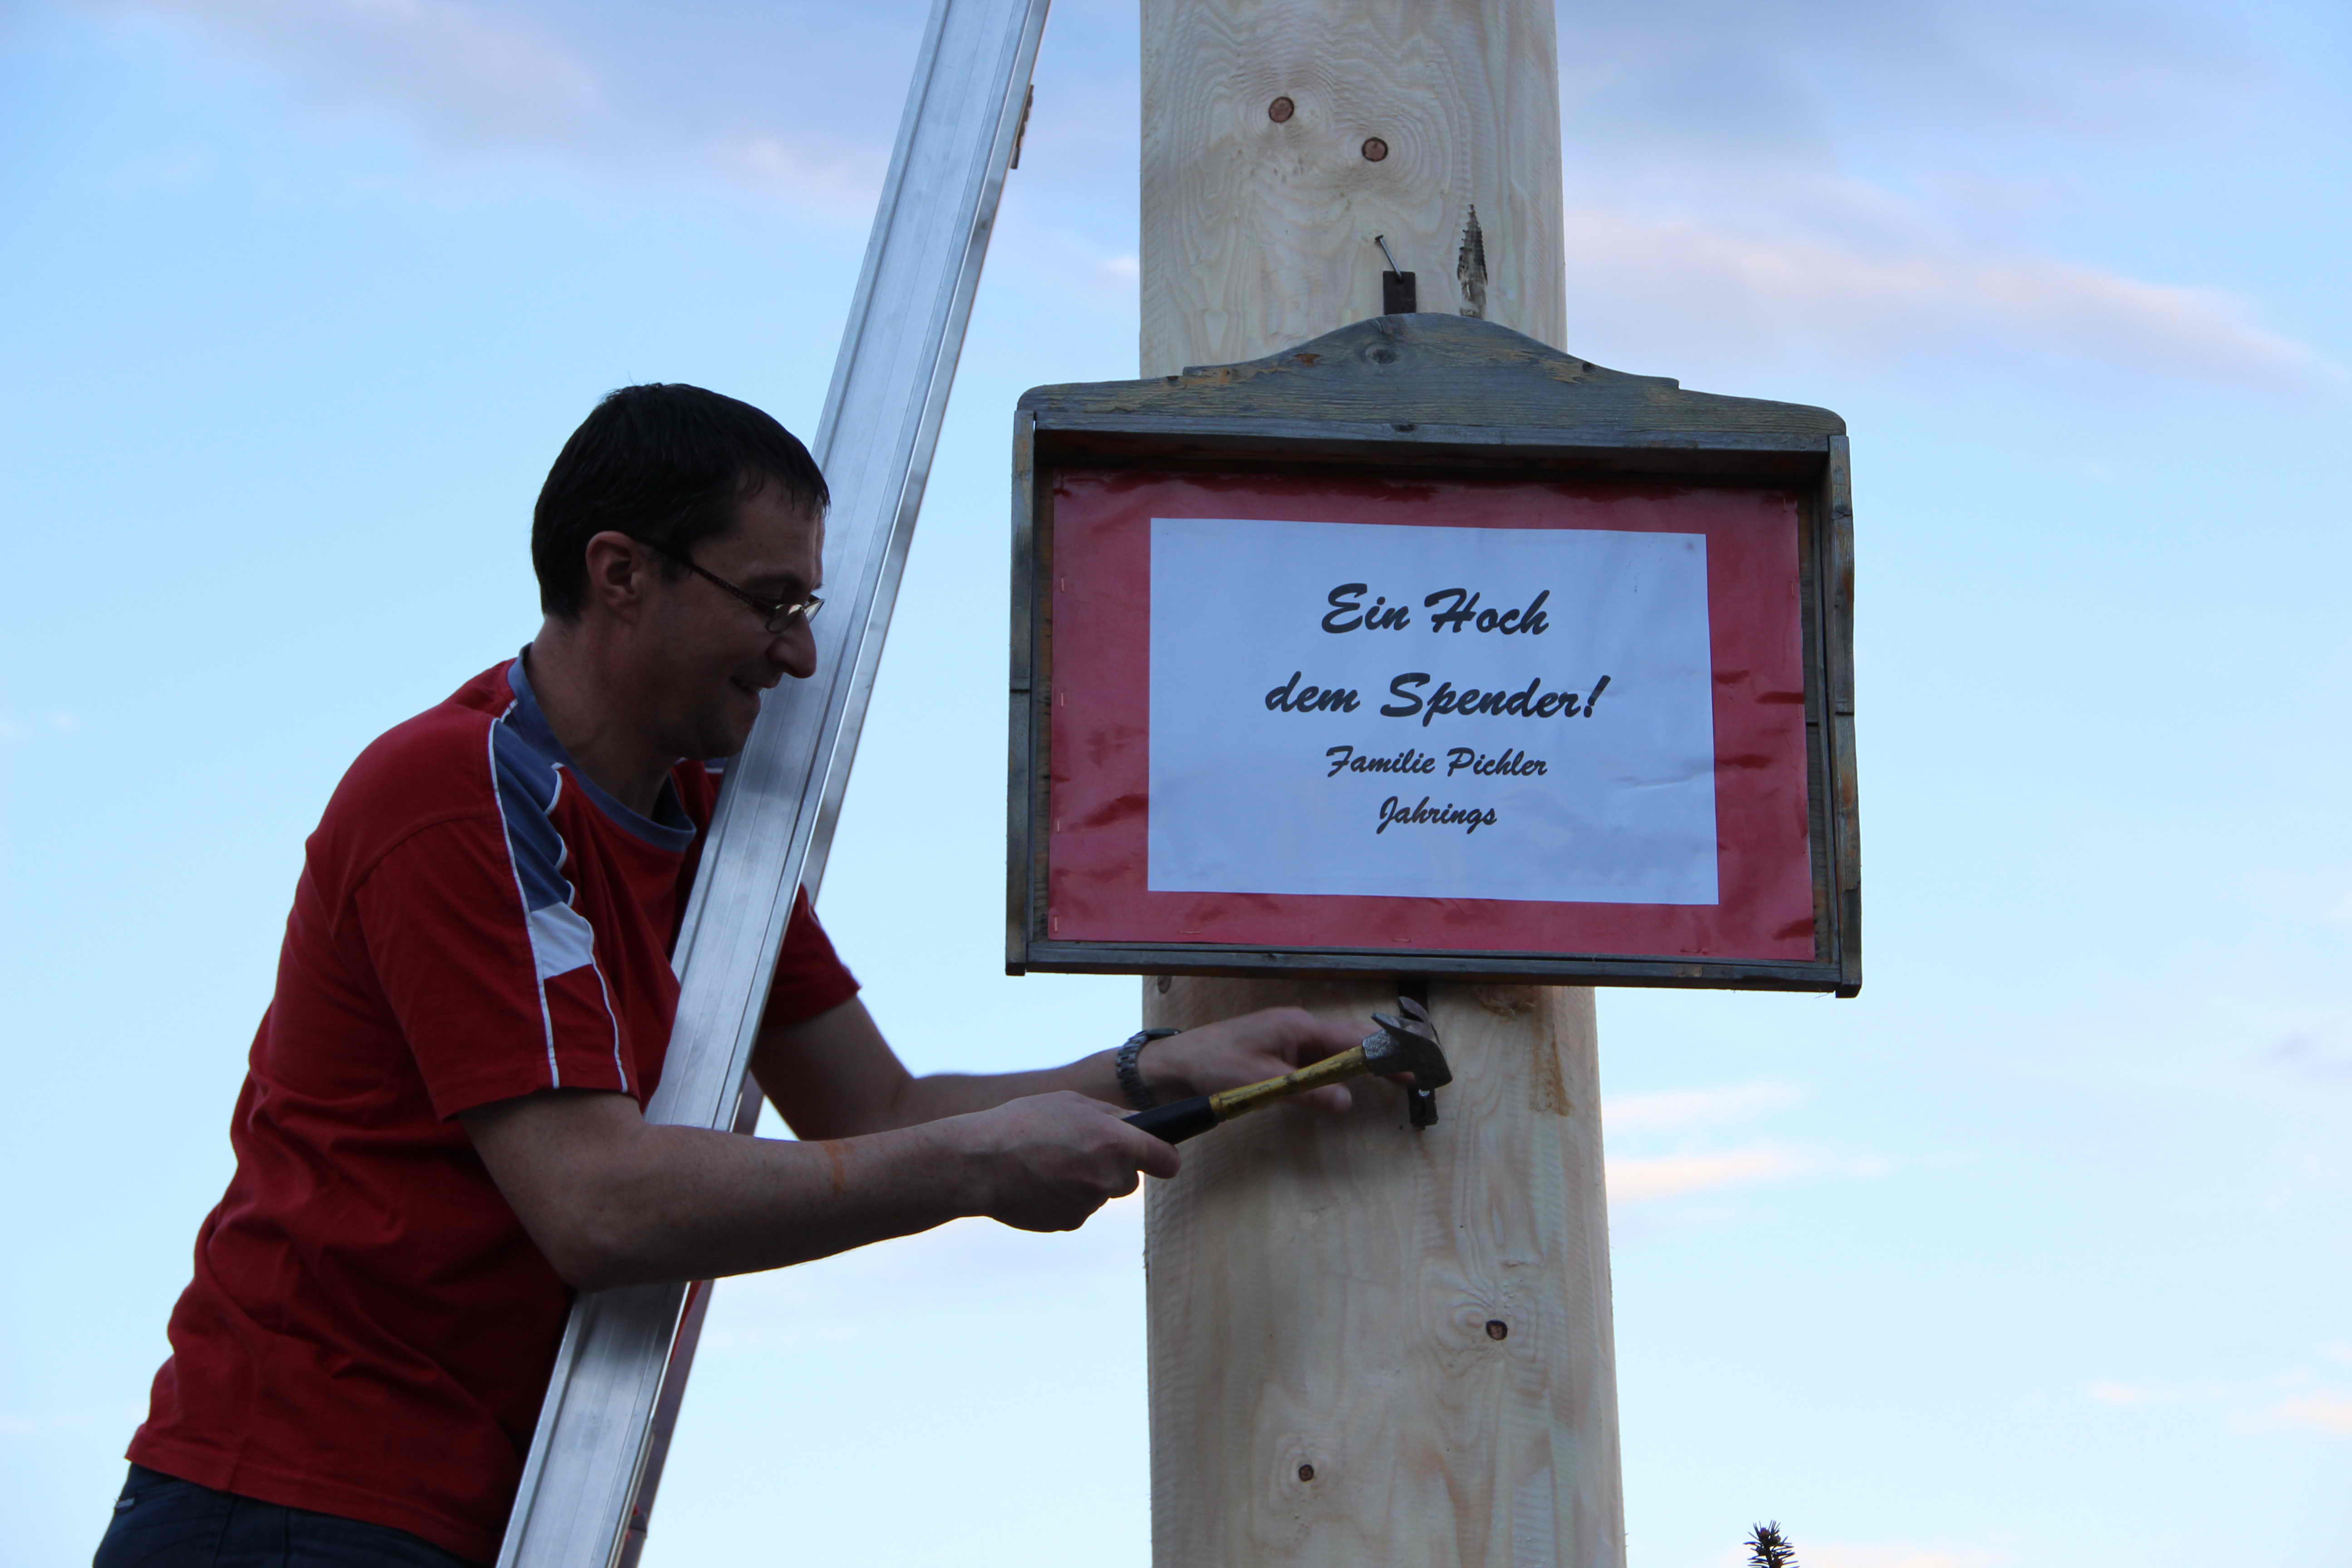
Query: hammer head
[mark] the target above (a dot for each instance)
(1408, 1045)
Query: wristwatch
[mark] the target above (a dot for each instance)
(1131, 1077)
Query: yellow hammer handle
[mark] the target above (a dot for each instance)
(1232, 1102)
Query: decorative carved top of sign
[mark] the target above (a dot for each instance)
(1444, 379)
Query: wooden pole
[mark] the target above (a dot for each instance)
(1372, 1346)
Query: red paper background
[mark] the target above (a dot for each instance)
(1100, 773)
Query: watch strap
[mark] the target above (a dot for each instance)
(1130, 1074)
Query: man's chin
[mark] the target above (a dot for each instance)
(716, 738)
(722, 745)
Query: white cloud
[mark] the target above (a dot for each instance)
(1894, 296)
(2303, 1396)
(462, 70)
(2331, 1414)
(1892, 1554)
(1673, 1109)
(1641, 1179)
(648, 98)
(2127, 1394)
(1679, 246)
(1677, 1175)
(15, 731)
(1680, 1172)
(843, 180)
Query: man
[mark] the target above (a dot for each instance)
(441, 1134)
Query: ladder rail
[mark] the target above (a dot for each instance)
(770, 833)
(674, 1372)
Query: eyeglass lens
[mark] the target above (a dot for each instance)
(784, 615)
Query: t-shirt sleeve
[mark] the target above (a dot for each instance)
(495, 1001)
(810, 976)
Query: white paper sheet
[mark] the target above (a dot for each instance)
(1606, 799)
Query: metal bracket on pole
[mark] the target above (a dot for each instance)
(608, 1411)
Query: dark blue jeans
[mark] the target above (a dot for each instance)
(163, 1522)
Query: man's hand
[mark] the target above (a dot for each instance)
(611, 1199)
(834, 1077)
(1248, 1049)
(1048, 1161)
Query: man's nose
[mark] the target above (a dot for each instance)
(795, 649)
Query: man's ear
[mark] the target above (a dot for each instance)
(619, 570)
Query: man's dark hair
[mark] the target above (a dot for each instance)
(665, 463)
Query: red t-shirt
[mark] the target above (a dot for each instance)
(369, 1332)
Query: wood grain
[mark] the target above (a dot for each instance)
(1325, 1386)
(1322, 1294)
(1838, 620)
(1258, 234)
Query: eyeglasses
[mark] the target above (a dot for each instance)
(777, 615)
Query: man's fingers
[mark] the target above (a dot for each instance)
(1299, 1037)
(1330, 1036)
(1150, 1155)
(1153, 1157)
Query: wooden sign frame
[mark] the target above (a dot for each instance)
(1436, 397)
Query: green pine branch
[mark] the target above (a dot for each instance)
(1767, 1548)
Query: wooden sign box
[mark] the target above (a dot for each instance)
(1694, 822)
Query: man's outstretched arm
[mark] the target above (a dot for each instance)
(833, 1076)
(612, 1199)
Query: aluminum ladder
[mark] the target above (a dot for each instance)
(587, 1488)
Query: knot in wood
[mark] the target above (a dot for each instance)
(1510, 1001)
(1280, 109)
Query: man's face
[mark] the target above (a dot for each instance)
(709, 655)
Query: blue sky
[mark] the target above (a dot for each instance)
(2035, 1254)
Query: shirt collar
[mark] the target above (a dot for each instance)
(669, 828)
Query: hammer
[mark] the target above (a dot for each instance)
(1400, 1044)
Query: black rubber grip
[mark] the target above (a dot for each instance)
(1174, 1123)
